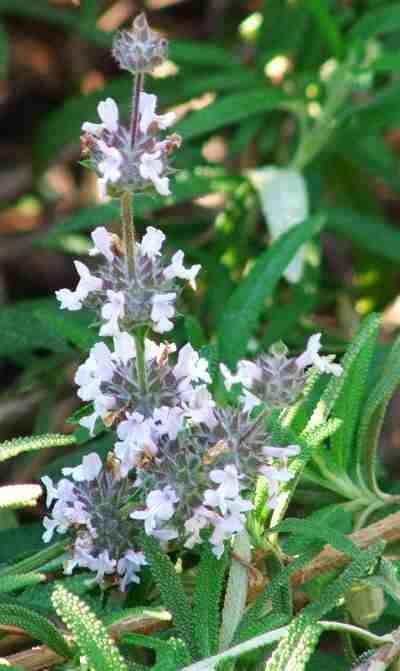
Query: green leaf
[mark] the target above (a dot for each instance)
(21, 331)
(171, 655)
(207, 600)
(236, 590)
(11, 448)
(36, 626)
(74, 327)
(89, 633)
(387, 62)
(230, 109)
(240, 317)
(71, 20)
(293, 653)
(37, 561)
(203, 54)
(359, 568)
(313, 529)
(374, 412)
(4, 51)
(334, 387)
(350, 401)
(171, 589)
(379, 21)
(13, 583)
(262, 606)
(370, 233)
(327, 25)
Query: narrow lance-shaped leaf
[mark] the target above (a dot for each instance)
(171, 588)
(236, 590)
(12, 583)
(240, 317)
(36, 626)
(293, 653)
(207, 598)
(335, 386)
(349, 402)
(88, 632)
(11, 448)
(374, 412)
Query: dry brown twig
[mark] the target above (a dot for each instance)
(387, 529)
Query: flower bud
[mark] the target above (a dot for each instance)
(140, 49)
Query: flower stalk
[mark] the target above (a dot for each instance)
(137, 89)
(128, 232)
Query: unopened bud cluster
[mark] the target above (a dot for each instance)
(139, 49)
(180, 463)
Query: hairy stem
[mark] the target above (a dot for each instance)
(140, 359)
(137, 89)
(128, 232)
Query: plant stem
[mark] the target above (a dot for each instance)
(139, 336)
(128, 232)
(137, 88)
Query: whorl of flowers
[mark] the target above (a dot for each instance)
(90, 507)
(145, 404)
(122, 299)
(276, 379)
(180, 463)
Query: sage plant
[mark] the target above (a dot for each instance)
(183, 467)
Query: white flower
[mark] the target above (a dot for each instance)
(160, 508)
(191, 366)
(311, 357)
(87, 471)
(103, 564)
(281, 452)
(152, 242)
(194, 525)
(247, 373)
(109, 167)
(177, 269)
(69, 300)
(199, 406)
(162, 310)
(52, 493)
(228, 481)
(72, 300)
(147, 108)
(98, 367)
(128, 566)
(151, 168)
(168, 421)
(108, 113)
(58, 522)
(124, 347)
(276, 474)
(249, 400)
(112, 311)
(224, 528)
(89, 422)
(87, 282)
(136, 434)
(102, 243)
